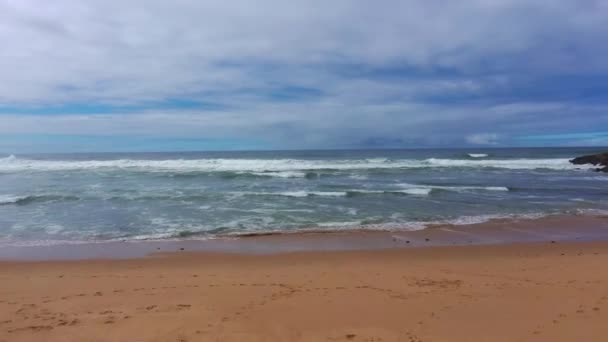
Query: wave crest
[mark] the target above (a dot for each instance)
(286, 168)
(10, 199)
(23, 200)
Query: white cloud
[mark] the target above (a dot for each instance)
(145, 50)
(388, 68)
(482, 139)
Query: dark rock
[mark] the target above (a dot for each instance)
(600, 159)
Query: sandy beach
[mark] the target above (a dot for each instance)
(517, 292)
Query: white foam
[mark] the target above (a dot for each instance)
(54, 242)
(592, 212)
(416, 191)
(10, 199)
(454, 188)
(275, 167)
(376, 160)
(493, 188)
(477, 155)
(329, 193)
(344, 225)
(281, 174)
(289, 193)
(423, 190)
(418, 225)
(8, 159)
(412, 191)
(470, 220)
(301, 193)
(513, 164)
(474, 219)
(469, 188)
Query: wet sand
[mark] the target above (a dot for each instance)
(495, 232)
(514, 292)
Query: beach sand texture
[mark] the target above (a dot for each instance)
(521, 292)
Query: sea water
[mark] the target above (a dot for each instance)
(133, 196)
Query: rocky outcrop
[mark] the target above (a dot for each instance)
(600, 159)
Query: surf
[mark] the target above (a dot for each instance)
(282, 168)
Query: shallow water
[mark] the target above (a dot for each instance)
(130, 196)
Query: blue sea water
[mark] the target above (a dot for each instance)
(133, 196)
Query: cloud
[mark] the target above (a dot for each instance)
(304, 74)
(482, 139)
(593, 138)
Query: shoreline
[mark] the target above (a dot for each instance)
(555, 228)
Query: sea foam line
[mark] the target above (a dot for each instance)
(273, 167)
(206, 233)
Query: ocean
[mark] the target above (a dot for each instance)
(70, 198)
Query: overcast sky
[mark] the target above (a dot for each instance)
(105, 75)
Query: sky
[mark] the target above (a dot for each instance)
(151, 75)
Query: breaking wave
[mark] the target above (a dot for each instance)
(464, 188)
(22, 200)
(10, 199)
(408, 189)
(295, 193)
(285, 168)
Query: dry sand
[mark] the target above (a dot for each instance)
(522, 292)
